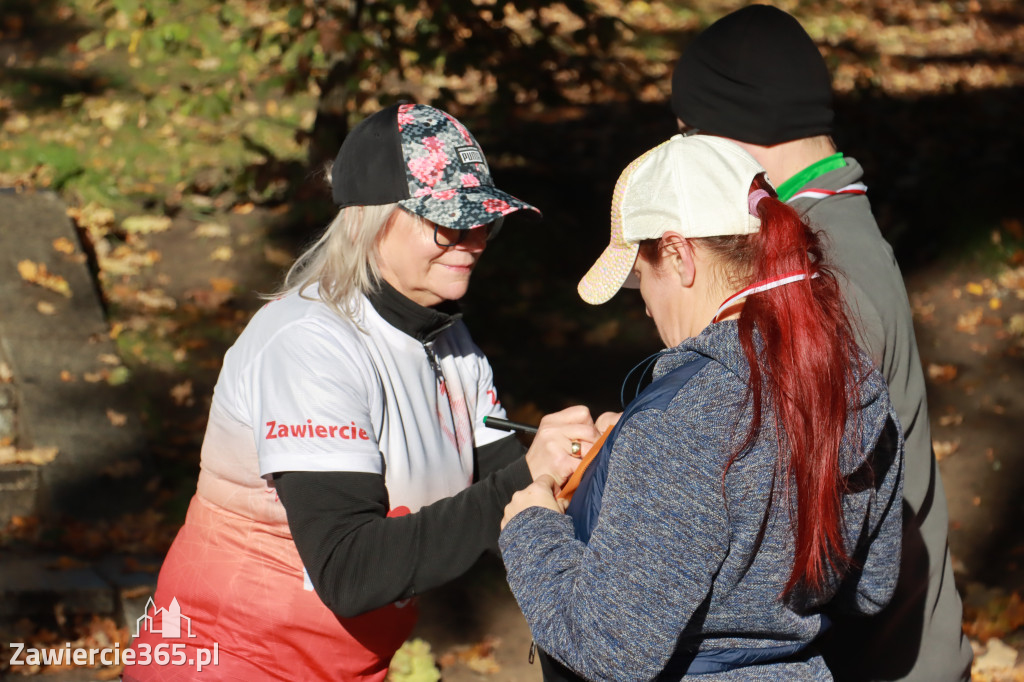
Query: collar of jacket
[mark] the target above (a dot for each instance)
(787, 189)
(422, 323)
(834, 179)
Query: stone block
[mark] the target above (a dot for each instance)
(19, 485)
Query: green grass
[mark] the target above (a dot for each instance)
(150, 98)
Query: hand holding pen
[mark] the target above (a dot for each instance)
(559, 441)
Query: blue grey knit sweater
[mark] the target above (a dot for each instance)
(678, 564)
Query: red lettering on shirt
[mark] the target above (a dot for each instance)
(349, 431)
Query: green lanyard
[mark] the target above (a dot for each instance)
(790, 187)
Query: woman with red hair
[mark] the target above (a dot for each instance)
(754, 486)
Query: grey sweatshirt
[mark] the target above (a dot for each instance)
(679, 562)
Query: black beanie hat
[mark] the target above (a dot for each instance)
(754, 76)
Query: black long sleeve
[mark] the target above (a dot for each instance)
(497, 455)
(359, 560)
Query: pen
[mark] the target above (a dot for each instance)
(506, 425)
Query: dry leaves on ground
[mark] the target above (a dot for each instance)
(1000, 617)
(941, 373)
(95, 633)
(477, 657)
(37, 273)
(945, 448)
(38, 456)
(996, 662)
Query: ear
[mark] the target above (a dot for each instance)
(677, 254)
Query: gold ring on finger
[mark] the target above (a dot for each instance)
(575, 449)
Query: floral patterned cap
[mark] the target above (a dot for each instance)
(426, 161)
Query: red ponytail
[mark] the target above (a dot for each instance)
(802, 367)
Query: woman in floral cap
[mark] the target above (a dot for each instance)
(346, 466)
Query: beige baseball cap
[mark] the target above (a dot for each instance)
(695, 185)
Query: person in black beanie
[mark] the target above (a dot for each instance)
(757, 78)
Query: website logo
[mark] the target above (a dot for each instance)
(170, 621)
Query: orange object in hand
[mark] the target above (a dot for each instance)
(574, 481)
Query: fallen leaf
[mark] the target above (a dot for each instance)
(222, 253)
(222, 284)
(979, 348)
(278, 257)
(63, 245)
(924, 312)
(413, 662)
(92, 217)
(211, 230)
(145, 224)
(1001, 616)
(109, 359)
(182, 393)
(38, 456)
(945, 448)
(997, 657)
(941, 373)
(116, 418)
(66, 376)
(156, 299)
(118, 376)
(953, 419)
(46, 308)
(243, 209)
(1012, 278)
(478, 657)
(994, 303)
(95, 377)
(36, 273)
(123, 469)
(6, 375)
(1015, 325)
(968, 322)
(208, 300)
(974, 289)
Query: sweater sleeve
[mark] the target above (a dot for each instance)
(614, 609)
(877, 557)
(359, 559)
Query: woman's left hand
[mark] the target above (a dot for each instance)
(540, 493)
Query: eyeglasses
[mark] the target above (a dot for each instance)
(447, 237)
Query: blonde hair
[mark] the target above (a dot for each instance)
(343, 262)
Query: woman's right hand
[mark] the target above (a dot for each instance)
(552, 450)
